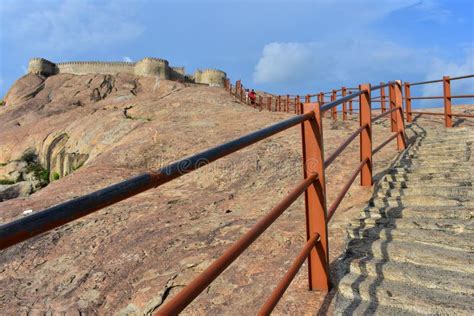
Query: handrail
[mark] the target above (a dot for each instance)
(385, 143)
(332, 104)
(280, 289)
(199, 284)
(442, 114)
(343, 146)
(375, 118)
(441, 80)
(446, 97)
(344, 190)
(313, 185)
(461, 77)
(462, 96)
(425, 82)
(45, 220)
(382, 85)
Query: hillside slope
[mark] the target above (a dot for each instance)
(96, 130)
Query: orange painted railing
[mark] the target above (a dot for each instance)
(290, 103)
(446, 97)
(313, 185)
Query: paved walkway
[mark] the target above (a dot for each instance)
(411, 252)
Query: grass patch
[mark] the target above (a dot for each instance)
(55, 176)
(6, 182)
(34, 166)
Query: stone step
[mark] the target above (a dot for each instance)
(345, 307)
(431, 278)
(441, 167)
(415, 200)
(433, 157)
(461, 192)
(436, 177)
(460, 213)
(454, 237)
(423, 159)
(432, 184)
(403, 296)
(417, 253)
(431, 170)
(429, 151)
(412, 250)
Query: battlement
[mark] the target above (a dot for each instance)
(41, 66)
(148, 66)
(212, 77)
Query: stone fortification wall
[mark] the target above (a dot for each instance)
(94, 67)
(212, 77)
(148, 66)
(153, 67)
(41, 66)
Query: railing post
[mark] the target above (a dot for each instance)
(400, 124)
(351, 110)
(315, 198)
(269, 103)
(242, 94)
(393, 101)
(321, 99)
(297, 104)
(288, 103)
(237, 87)
(448, 118)
(382, 98)
(408, 102)
(365, 135)
(344, 104)
(334, 109)
(279, 103)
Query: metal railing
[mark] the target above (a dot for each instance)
(447, 97)
(313, 186)
(291, 103)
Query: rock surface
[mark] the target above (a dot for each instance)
(96, 130)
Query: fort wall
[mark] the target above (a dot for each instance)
(212, 77)
(106, 68)
(41, 66)
(148, 66)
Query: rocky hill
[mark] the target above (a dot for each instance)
(66, 135)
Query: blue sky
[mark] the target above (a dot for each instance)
(279, 46)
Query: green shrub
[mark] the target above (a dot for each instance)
(6, 182)
(29, 157)
(56, 176)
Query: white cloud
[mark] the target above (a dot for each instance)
(127, 59)
(281, 62)
(70, 25)
(439, 68)
(336, 61)
(356, 51)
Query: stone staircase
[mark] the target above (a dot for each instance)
(411, 252)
